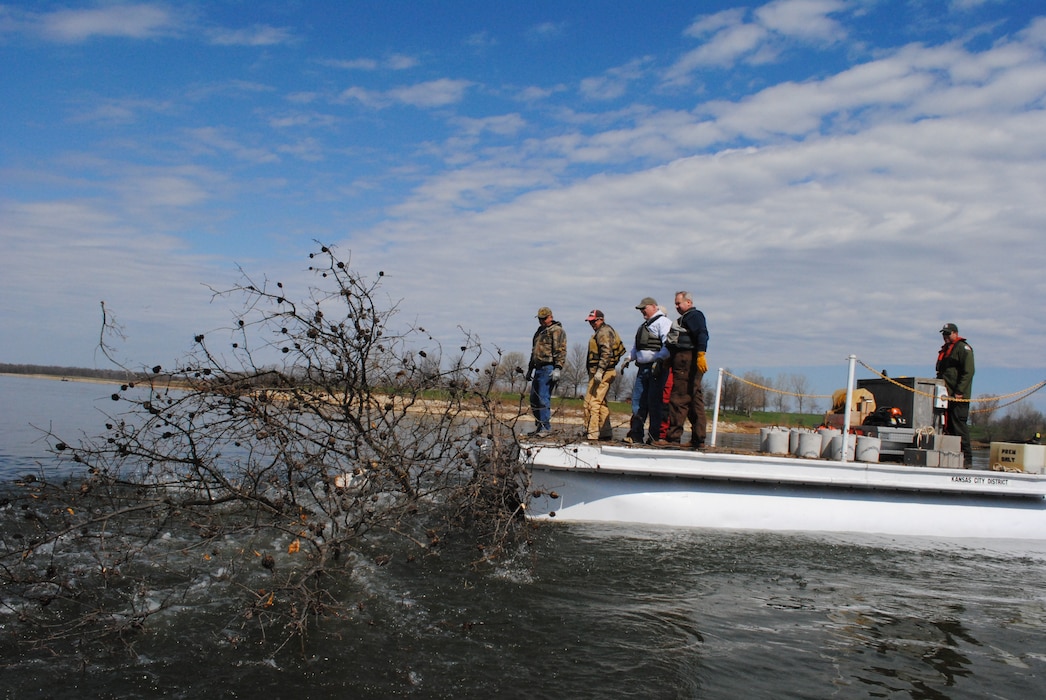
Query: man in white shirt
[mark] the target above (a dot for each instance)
(650, 354)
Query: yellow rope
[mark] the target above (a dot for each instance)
(994, 400)
(776, 391)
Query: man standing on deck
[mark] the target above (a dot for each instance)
(547, 358)
(688, 342)
(604, 350)
(650, 355)
(955, 367)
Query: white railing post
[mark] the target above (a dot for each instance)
(715, 411)
(849, 403)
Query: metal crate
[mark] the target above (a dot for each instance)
(915, 397)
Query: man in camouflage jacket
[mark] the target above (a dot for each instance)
(548, 355)
(604, 350)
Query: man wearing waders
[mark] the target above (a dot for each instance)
(955, 367)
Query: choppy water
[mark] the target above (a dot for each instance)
(598, 611)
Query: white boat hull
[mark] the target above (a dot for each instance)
(756, 492)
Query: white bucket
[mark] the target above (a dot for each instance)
(763, 433)
(809, 445)
(777, 442)
(793, 441)
(836, 447)
(826, 441)
(868, 448)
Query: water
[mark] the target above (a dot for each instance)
(591, 612)
(30, 406)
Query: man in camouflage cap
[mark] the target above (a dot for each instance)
(955, 367)
(605, 348)
(548, 355)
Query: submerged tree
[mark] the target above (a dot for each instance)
(308, 435)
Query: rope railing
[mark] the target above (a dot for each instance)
(993, 400)
(773, 389)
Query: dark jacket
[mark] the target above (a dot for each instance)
(693, 332)
(955, 366)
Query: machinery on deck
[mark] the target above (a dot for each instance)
(906, 414)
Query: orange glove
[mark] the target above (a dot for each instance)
(702, 363)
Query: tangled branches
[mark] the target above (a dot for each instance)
(308, 435)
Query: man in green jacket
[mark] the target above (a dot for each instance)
(955, 367)
(547, 358)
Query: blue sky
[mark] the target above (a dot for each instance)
(827, 177)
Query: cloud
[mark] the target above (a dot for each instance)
(368, 98)
(970, 4)
(502, 124)
(123, 111)
(803, 19)
(914, 82)
(302, 120)
(709, 25)
(534, 93)
(308, 149)
(365, 64)
(398, 61)
(614, 82)
(481, 40)
(393, 62)
(215, 139)
(723, 49)
(728, 36)
(434, 93)
(893, 177)
(545, 31)
(862, 214)
(74, 254)
(257, 35)
(854, 210)
(134, 21)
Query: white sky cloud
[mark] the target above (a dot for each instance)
(256, 35)
(825, 177)
(728, 36)
(724, 48)
(433, 93)
(544, 31)
(135, 21)
(392, 62)
(804, 19)
(615, 82)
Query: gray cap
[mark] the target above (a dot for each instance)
(647, 301)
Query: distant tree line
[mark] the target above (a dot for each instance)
(1020, 423)
(118, 375)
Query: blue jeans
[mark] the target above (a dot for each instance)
(647, 396)
(541, 397)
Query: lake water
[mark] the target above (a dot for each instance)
(592, 612)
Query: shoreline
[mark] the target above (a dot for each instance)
(63, 378)
(570, 416)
